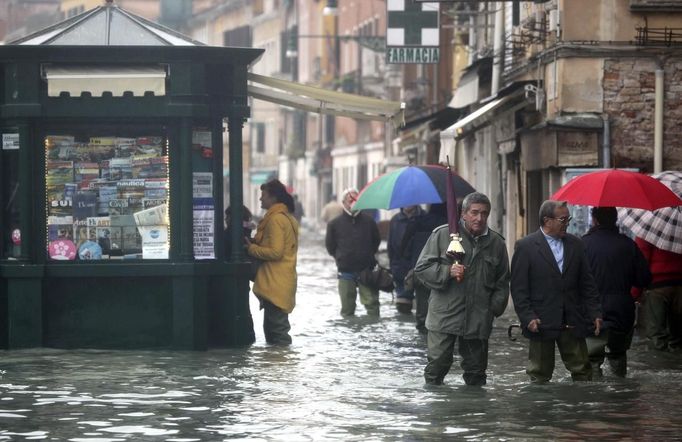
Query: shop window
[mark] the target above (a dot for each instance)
(107, 197)
(11, 235)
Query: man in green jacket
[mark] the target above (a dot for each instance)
(464, 297)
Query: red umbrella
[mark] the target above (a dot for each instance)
(617, 188)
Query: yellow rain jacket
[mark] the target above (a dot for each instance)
(276, 244)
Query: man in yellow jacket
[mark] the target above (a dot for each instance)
(276, 245)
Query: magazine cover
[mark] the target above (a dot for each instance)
(148, 203)
(59, 227)
(58, 172)
(150, 145)
(85, 173)
(119, 206)
(80, 232)
(107, 192)
(120, 168)
(59, 147)
(84, 205)
(156, 188)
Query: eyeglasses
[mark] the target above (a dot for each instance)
(563, 219)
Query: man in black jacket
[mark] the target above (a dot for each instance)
(353, 239)
(617, 265)
(555, 296)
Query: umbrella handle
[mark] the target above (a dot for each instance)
(458, 278)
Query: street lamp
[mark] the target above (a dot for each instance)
(292, 43)
(331, 8)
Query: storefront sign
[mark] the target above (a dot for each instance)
(577, 148)
(10, 141)
(412, 55)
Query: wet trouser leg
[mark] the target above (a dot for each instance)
(439, 355)
(422, 296)
(474, 354)
(403, 297)
(540, 360)
(275, 324)
(657, 304)
(573, 351)
(369, 297)
(348, 294)
(596, 350)
(617, 347)
(675, 317)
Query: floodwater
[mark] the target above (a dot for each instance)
(343, 379)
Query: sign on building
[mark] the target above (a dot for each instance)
(412, 32)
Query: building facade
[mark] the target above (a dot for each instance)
(557, 88)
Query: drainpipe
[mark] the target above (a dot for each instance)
(498, 42)
(473, 49)
(606, 143)
(658, 122)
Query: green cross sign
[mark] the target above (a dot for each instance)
(412, 32)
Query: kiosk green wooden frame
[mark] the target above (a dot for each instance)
(178, 301)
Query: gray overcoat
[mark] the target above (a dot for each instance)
(465, 308)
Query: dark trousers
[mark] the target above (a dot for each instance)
(573, 351)
(663, 317)
(612, 345)
(275, 324)
(441, 347)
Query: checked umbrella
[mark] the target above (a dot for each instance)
(661, 227)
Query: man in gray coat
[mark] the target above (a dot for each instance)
(464, 297)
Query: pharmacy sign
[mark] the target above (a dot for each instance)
(412, 32)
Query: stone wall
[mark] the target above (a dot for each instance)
(629, 100)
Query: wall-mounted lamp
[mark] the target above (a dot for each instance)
(292, 44)
(332, 8)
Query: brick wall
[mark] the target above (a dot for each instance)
(629, 100)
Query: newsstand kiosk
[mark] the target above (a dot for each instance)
(113, 131)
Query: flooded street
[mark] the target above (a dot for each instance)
(342, 379)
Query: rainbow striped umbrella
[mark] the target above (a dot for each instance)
(409, 186)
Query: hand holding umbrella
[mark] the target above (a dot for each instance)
(455, 251)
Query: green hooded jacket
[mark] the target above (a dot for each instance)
(465, 308)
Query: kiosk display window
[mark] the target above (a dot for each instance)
(107, 197)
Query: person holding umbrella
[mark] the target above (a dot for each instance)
(353, 239)
(659, 237)
(662, 300)
(555, 296)
(465, 296)
(617, 266)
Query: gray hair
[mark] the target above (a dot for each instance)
(347, 191)
(547, 209)
(475, 198)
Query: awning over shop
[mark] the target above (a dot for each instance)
(76, 80)
(586, 121)
(313, 99)
(440, 119)
(483, 115)
(467, 91)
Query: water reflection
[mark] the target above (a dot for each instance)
(357, 379)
